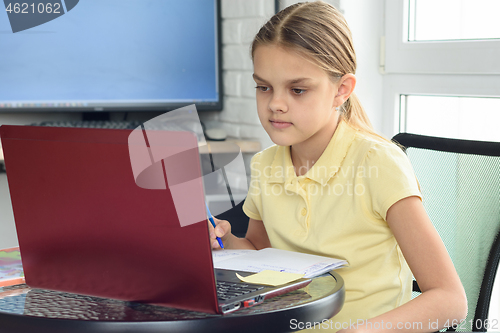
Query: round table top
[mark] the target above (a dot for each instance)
(25, 309)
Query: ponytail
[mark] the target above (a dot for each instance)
(353, 113)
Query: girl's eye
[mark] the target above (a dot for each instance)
(262, 88)
(298, 91)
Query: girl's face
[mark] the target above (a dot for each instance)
(296, 99)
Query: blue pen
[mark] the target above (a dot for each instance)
(213, 223)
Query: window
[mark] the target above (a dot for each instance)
(469, 118)
(442, 73)
(410, 22)
(431, 20)
(438, 54)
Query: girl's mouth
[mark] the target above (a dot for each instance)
(280, 124)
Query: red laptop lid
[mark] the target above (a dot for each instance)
(84, 226)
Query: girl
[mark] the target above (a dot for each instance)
(332, 187)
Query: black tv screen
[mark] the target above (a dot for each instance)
(114, 55)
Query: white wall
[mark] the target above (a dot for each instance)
(241, 20)
(366, 21)
(8, 236)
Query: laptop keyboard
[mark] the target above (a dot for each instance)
(116, 124)
(227, 290)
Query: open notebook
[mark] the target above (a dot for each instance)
(277, 260)
(11, 268)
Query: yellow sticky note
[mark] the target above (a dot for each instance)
(270, 278)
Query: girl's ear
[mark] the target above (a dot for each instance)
(346, 86)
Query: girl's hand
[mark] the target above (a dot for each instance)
(222, 230)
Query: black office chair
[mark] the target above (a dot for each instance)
(460, 183)
(237, 218)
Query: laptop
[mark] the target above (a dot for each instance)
(84, 225)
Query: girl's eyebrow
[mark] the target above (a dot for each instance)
(258, 78)
(292, 81)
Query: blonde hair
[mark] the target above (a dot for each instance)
(319, 31)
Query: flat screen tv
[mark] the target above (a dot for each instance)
(114, 55)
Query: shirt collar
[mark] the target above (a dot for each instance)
(327, 165)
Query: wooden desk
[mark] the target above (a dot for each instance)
(246, 146)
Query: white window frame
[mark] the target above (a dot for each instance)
(440, 68)
(433, 85)
(434, 57)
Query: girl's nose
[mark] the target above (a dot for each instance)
(278, 103)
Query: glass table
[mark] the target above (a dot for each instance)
(25, 309)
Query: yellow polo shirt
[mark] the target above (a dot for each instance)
(338, 209)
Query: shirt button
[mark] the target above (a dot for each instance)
(303, 212)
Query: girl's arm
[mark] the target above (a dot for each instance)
(256, 237)
(443, 300)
